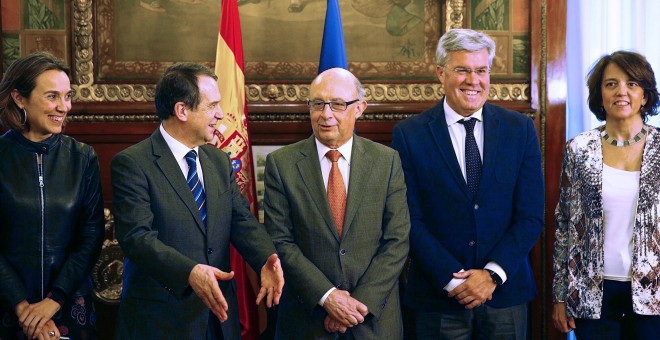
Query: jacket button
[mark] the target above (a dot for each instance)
(472, 243)
(209, 251)
(342, 252)
(476, 206)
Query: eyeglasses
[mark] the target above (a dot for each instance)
(462, 71)
(335, 105)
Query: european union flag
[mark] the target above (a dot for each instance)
(333, 50)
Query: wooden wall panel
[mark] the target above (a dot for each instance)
(548, 37)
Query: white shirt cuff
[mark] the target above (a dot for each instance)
(325, 296)
(454, 283)
(497, 269)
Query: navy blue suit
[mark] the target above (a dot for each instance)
(452, 230)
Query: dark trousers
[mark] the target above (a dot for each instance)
(214, 332)
(617, 320)
(483, 322)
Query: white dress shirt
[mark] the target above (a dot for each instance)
(179, 150)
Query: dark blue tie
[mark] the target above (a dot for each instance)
(195, 185)
(472, 158)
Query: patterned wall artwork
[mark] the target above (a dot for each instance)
(507, 21)
(34, 25)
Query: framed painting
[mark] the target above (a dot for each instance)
(385, 39)
(121, 47)
(507, 21)
(35, 25)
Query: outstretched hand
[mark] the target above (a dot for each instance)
(204, 281)
(272, 281)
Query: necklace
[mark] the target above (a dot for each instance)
(622, 144)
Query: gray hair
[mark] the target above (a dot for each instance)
(359, 88)
(463, 39)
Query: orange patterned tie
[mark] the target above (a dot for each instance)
(336, 191)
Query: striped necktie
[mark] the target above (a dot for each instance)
(195, 185)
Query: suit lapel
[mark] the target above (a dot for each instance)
(440, 132)
(213, 186)
(360, 168)
(491, 145)
(309, 169)
(165, 161)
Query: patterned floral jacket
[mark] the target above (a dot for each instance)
(578, 257)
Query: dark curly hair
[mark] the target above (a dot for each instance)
(637, 68)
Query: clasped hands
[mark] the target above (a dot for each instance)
(477, 288)
(204, 281)
(343, 311)
(36, 319)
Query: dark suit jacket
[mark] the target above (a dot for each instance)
(450, 229)
(162, 235)
(366, 261)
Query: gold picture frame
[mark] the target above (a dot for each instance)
(89, 88)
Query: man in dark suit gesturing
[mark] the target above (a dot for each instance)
(177, 207)
(475, 191)
(335, 207)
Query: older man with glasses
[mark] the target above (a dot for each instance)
(475, 192)
(335, 207)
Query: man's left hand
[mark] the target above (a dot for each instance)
(272, 281)
(476, 290)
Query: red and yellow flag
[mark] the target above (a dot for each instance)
(232, 136)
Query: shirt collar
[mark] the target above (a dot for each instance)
(452, 117)
(178, 149)
(345, 149)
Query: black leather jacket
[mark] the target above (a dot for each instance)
(51, 217)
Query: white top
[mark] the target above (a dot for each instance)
(179, 150)
(620, 192)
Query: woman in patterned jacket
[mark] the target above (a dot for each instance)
(607, 246)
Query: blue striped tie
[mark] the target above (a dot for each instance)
(195, 185)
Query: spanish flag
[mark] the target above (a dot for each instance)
(333, 49)
(232, 136)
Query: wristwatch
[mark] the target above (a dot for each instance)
(496, 277)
